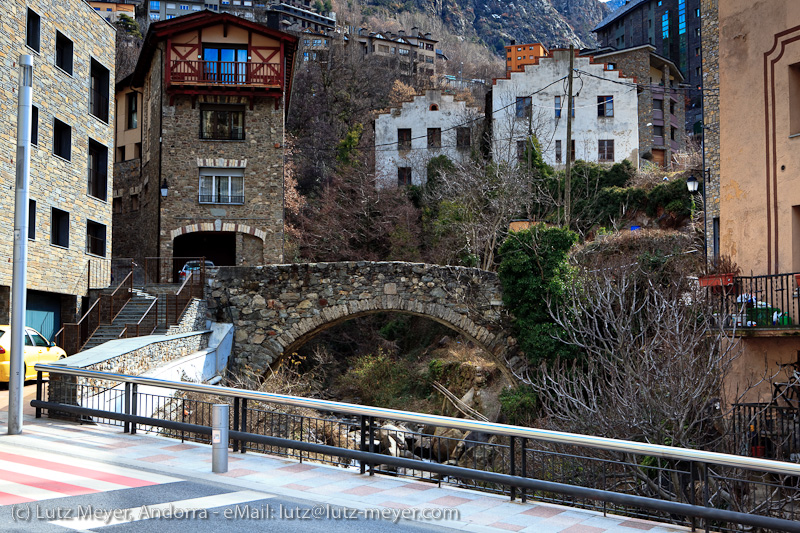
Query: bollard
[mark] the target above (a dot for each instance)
(219, 438)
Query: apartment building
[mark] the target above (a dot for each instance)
(414, 52)
(111, 10)
(674, 28)
(519, 55)
(69, 237)
(200, 141)
(759, 199)
(432, 124)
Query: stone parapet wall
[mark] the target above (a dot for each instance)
(277, 308)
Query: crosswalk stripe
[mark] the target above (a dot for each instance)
(67, 489)
(29, 492)
(91, 473)
(145, 512)
(82, 479)
(11, 499)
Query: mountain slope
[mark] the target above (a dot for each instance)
(554, 23)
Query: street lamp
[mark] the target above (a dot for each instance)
(165, 188)
(692, 184)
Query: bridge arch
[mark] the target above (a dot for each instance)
(278, 308)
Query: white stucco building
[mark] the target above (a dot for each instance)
(432, 124)
(605, 126)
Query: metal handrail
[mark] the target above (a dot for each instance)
(560, 437)
(139, 322)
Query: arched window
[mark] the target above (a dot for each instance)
(434, 107)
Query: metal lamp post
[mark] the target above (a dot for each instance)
(16, 378)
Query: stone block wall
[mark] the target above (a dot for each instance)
(710, 11)
(276, 308)
(55, 182)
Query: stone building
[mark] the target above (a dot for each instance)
(415, 53)
(662, 105)
(759, 168)
(200, 173)
(606, 120)
(433, 124)
(674, 28)
(69, 237)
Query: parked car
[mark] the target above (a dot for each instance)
(191, 266)
(37, 350)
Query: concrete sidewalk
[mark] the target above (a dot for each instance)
(308, 481)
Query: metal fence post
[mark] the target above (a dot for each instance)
(363, 422)
(243, 422)
(523, 496)
(371, 444)
(219, 438)
(126, 407)
(134, 406)
(39, 392)
(512, 451)
(236, 422)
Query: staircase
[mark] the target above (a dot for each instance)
(134, 310)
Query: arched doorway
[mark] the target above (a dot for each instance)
(216, 246)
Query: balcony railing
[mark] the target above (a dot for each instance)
(757, 302)
(220, 199)
(226, 73)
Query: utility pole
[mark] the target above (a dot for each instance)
(16, 377)
(568, 178)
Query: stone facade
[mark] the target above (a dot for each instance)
(658, 79)
(57, 182)
(243, 229)
(710, 10)
(432, 110)
(511, 123)
(276, 309)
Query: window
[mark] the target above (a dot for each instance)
(116, 205)
(605, 106)
(697, 12)
(135, 202)
(463, 137)
(34, 125)
(665, 25)
(605, 150)
(132, 104)
(225, 65)
(523, 109)
(155, 17)
(63, 53)
(221, 186)
(658, 104)
(434, 107)
(558, 107)
(673, 133)
(572, 150)
(184, 7)
(611, 66)
(521, 151)
(98, 92)
(155, 5)
(794, 99)
(97, 184)
(697, 71)
(403, 176)
(434, 137)
(59, 228)
(95, 238)
(658, 131)
(697, 51)
(672, 108)
(558, 151)
(32, 34)
(222, 123)
(404, 138)
(62, 139)
(32, 220)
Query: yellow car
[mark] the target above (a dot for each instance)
(37, 350)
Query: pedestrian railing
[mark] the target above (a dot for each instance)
(690, 487)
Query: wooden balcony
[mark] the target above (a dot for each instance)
(225, 77)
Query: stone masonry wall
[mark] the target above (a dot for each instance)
(55, 182)
(277, 308)
(710, 13)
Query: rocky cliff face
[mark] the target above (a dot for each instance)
(555, 23)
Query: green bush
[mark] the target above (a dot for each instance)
(518, 405)
(383, 381)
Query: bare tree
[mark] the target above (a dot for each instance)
(477, 200)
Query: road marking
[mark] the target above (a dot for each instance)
(27, 476)
(181, 508)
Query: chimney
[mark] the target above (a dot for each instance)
(427, 35)
(401, 33)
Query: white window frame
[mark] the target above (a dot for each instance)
(209, 182)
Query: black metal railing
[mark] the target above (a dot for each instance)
(753, 302)
(220, 199)
(658, 482)
(767, 430)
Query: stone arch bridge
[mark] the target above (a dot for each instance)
(278, 308)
